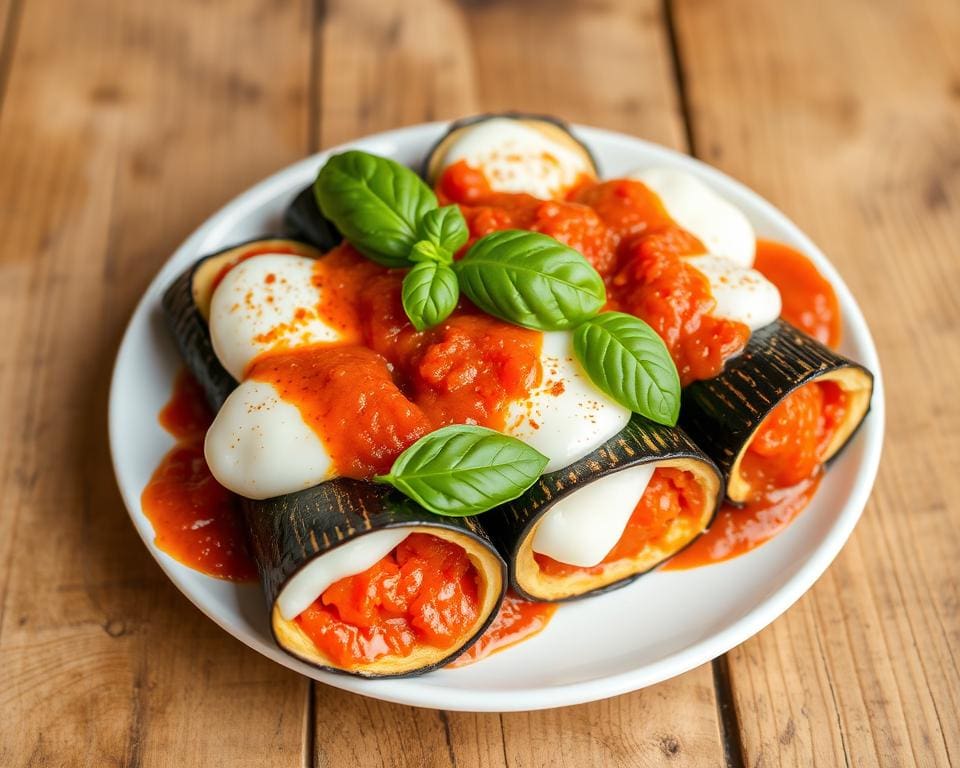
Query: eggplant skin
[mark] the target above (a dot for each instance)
(304, 221)
(722, 414)
(288, 531)
(640, 442)
(466, 122)
(192, 338)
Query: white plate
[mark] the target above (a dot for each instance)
(664, 624)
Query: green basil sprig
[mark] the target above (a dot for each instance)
(430, 293)
(465, 470)
(626, 358)
(376, 203)
(391, 216)
(446, 229)
(531, 280)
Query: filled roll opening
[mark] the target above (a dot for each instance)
(211, 270)
(414, 608)
(805, 430)
(677, 505)
(515, 153)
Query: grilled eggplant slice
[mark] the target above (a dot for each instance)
(514, 525)
(723, 414)
(517, 152)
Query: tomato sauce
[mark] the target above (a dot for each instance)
(195, 519)
(809, 301)
(517, 620)
(623, 230)
(425, 591)
(737, 530)
(370, 401)
(672, 494)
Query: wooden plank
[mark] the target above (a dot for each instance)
(846, 115)
(385, 64)
(123, 127)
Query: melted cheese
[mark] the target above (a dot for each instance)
(259, 445)
(265, 302)
(516, 157)
(742, 294)
(566, 416)
(348, 559)
(719, 225)
(584, 527)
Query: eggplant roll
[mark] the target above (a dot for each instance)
(186, 308)
(304, 221)
(291, 536)
(723, 414)
(517, 152)
(575, 511)
(301, 541)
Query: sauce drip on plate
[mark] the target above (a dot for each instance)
(194, 518)
(517, 620)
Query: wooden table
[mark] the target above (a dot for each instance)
(125, 123)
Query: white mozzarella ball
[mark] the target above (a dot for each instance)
(566, 416)
(742, 295)
(584, 527)
(265, 302)
(720, 226)
(259, 445)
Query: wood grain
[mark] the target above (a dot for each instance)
(847, 115)
(384, 64)
(123, 126)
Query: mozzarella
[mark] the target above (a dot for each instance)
(349, 559)
(262, 303)
(742, 295)
(515, 157)
(719, 225)
(259, 445)
(584, 527)
(565, 417)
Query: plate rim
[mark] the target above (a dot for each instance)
(409, 690)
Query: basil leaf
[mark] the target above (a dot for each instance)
(628, 360)
(375, 202)
(429, 294)
(530, 279)
(464, 470)
(446, 228)
(424, 250)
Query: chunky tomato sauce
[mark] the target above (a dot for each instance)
(623, 230)
(671, 495)
(371, 398)
(195, 519)
(517, 620)
(424, 592)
